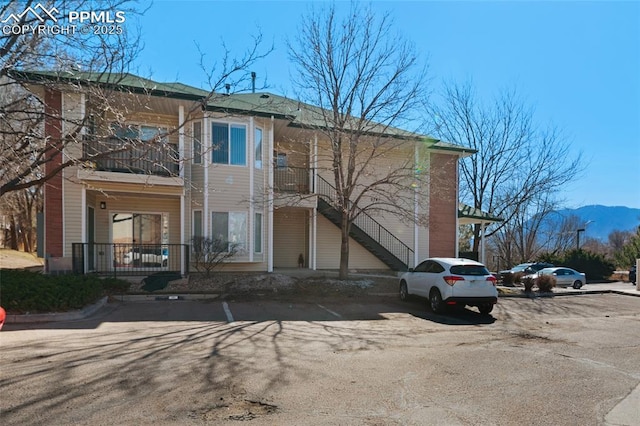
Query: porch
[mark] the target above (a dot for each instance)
(117, 259)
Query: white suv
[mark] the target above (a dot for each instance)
(450, 282)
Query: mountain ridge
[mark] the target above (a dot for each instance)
(599, 221)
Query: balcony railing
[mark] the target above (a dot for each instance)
(293, 179)
(131, 156)
(129, 259)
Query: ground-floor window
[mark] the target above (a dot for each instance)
(230, 227)
(257, 233)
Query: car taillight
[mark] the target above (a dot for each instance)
(451, 279)
(493, 280)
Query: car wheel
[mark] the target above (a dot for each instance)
(404, 292)
(577, 284)
(435, 301)
(485, 308)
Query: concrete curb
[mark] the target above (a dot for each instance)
(91, 309)
(535, 295)
(57, 316)
(154, 297)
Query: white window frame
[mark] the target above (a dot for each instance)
(196, 157)
(258, 152)
(257, 248)
(229, 126)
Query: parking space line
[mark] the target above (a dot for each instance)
(330, 311)
(227, 311)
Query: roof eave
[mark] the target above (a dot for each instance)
(38, 78)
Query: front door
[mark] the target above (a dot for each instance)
(140, 239)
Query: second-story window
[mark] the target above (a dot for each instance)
(197, 142)
(229, 143)
(258, 146)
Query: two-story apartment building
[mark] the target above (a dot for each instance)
(166, 163)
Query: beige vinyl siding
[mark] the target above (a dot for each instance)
(228, 187)
(73, 212)
(290, 236)
(403, 230)
(328, 256)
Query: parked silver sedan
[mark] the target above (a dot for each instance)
(565, 276)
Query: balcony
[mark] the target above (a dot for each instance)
(132, 156)
(295, 180)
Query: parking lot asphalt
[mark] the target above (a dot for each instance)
(375, 360)
(619, 287)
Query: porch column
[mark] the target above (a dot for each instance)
(416, 212)
(83, 228)
(270, 200)
(314, 235)
(250, 222)
(314, 213)
(181, 125)
(183, 254)
(482, 252)
(206, 161)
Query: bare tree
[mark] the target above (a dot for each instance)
(366, 81)
(525, 236)
(78, 53)
(617, 239)
(629, 252)
(517, 162)
(19, 209)
(96, 64)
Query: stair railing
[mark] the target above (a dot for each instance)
(369, 225)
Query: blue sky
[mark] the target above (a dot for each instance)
(576, 63)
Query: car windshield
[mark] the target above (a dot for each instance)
(539, 267)
(520, 268)
(476, 270)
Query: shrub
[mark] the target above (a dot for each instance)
(528, 284)
(546, 283)
(209, 253)
(507, 279)
(24, 291)
(595, 266)
(517, 277)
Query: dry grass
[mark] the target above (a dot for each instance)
(13, 259)
(260, 283)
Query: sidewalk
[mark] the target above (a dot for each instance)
(618, 287)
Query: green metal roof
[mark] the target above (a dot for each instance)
(467, 212)
(116, 81)
(299, 114)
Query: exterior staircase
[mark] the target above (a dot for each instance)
(366, 231)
